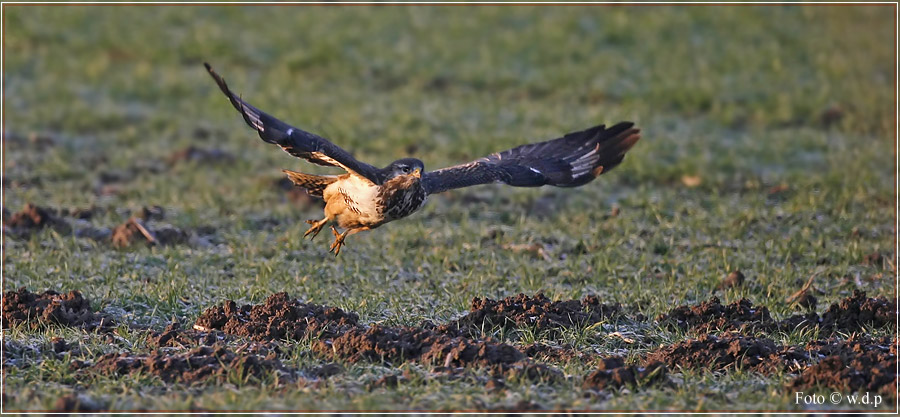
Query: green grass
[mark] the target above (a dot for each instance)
(732, 95)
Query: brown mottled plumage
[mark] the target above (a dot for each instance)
(314, 184)
(367, 197)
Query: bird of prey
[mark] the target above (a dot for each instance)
(367, 197)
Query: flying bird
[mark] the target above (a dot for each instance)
(367, 196)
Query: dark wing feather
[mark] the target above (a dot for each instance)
(572, 160)
(294, 141)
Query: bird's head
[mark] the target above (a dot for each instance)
(405, 167)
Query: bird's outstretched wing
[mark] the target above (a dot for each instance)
(294, 141)
(572, 160)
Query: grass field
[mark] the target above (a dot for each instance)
(767, 146)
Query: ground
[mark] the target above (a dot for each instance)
(768, 148)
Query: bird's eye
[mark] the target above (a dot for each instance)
(405, 170)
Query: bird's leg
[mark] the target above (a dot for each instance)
(316, 227)
(339, 238)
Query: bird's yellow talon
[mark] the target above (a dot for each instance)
(339, 239)
(315, 229)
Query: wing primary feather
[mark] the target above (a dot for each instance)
(296, 142)
(570, 161)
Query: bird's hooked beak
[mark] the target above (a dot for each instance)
(417, 173)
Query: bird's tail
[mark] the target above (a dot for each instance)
(314, 184)
(612, 144)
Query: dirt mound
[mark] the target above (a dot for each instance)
(399, 344)
(852, 366)
(280, 317)
(857, 311)
(135, 230)
(734, 279)
(850, 314)
(33, 218)
(50, 307)
(728, 353)
(711, 315)
(612, 373)
(451, 356)
(538, 313)
(338, 335)
(196, 365)
(68, 221)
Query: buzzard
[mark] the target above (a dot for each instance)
(367, 197)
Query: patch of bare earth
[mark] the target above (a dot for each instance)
(195, 365)
(711, 316)
(399, 344)
(851, 314)
(136, 230)
(338, 335)
(142, 228)
(33, 218)
(728, 353)
(50, 307)
(213, 347)
(537, 313)
(857, 365)
(280, 317)
(858, 311)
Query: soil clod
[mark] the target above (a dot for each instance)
(175, 336)
(325, 371)
(33, 218)
(734, 279)
(135, 230)
(59, 345)
(613, 373)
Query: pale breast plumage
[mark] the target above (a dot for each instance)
(359, 197)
